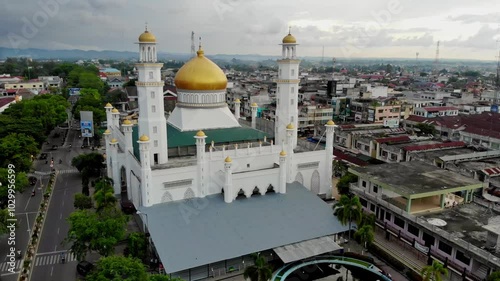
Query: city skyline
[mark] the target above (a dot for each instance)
(385, 29)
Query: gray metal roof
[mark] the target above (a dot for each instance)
(306, 249)
(201, 231)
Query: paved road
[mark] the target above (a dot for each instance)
(26, 210)
(47, 264)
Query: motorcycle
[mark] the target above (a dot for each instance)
(33, 193)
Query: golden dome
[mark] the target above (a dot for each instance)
(108, 105)
(126, 122)
(289, 39)
(114, 140)
(200, 73)
(147, 37)
(144, 138)
(200, 134)
(107, 132)
(228, 160)
(282, 153)
(330, 123)
(115, 110)
(290, 126)
(237, 101)
(254, 105)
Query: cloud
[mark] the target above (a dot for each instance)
(483, 39)
(470, 18)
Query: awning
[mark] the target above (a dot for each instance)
(306, 249)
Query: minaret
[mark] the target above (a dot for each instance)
(115, 121)
(107, 136)
(145, 169)
(228, 182)
(237, 104)
(254, 107)
(282, 187)
(287, 90)
(108, 108)
(200, 163)
(115, 171)
(127, 131)
(290, 129)
(152, 120)
(330, 130)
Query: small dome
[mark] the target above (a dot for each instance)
(144, 138)
(147, 37)
(108, 105)
(200, 73)
(237, 101)
(254, 105)
(289, 39)
(200, 134)
(107, 132)
(126, 122)
(330, 123)
(282, 153)
(114, 140)
(290, 126)
(228, 160)
(115, 110)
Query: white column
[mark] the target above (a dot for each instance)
(114, 164)
(145, 169)
(282, 187)
(237, 104)
(201, 163)
(330, 130)
(115, 118)
(127, 131)
(289, 144)
(228, 182)
(108, 108)
(254, 114)
(107, 136)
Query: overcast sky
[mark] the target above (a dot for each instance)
(354, 28)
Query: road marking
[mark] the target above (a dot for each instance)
(65, 191)
(4, 266)
(28, 222)
(53, 258)
(58, 230)
(28, 213)
(10, 273)
(51, 270)
(60, 216)
(25, 207)
(55, 248)
(63, 200)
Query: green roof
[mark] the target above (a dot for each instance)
(177, 138)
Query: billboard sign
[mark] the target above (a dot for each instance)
(86, 124)
(371, 115)
(74, 91)
(391, 122)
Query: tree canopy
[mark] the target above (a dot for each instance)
(495, 276)
(90, 231)
(345, 181)
(17, 149)
(118, 268)
(89, 164)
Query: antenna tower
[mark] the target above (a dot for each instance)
(323, 55)
(436, 60)
(193, 51)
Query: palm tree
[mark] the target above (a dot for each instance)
(348, 210)
(260, 270)
(434, 272)
(365, 235)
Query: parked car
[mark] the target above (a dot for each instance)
(84, 267)
(32, 180)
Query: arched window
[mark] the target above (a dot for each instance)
(167, 197)
(315, 182)
(299, 178)
(189, 193)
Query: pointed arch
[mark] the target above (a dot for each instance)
(167, 197)
(315, 182)
(299, 178)
(189, 193)
(255, 191)
(241, 194)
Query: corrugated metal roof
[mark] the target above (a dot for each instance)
(307, 249)
(434, 146)
(201, 231)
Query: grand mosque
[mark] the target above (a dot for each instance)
(210, 190)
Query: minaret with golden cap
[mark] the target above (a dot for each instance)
(289, 144)
(146, 178)
(107, 139)
(201, 164)
(254, 108)
(287, 90)
(115, 169)
(283, 168)
(330, 131)
(237, 104)
(228, 180)
(152, 121)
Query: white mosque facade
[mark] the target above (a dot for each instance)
(227, 160)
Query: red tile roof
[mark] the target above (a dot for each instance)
(434, 146)
(5, 101)
(339, 155)
(492, 171)
(398, 139)
(440, 108)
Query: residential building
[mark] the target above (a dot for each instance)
(431, 112)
